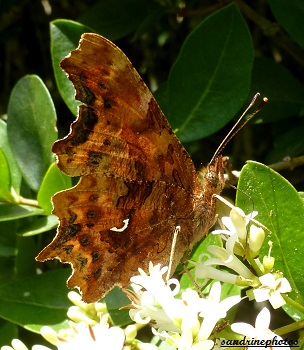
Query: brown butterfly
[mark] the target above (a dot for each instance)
(137, 183)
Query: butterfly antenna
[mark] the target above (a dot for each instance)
(237, 126)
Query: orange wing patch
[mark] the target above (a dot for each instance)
(137, 181)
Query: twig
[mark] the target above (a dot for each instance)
(272, 30)
(288, 163)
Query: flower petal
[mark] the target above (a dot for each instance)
(263, 319)
(276, 300)
(244, 328)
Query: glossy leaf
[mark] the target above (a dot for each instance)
(65, 36)
(7, 269)
(281, 209)
(18, 211)
(8, 251)
(34, 300)
(284, 91)
(53, 181)
(293, 312)
(5, 179)
(25, 264)
(31, 128)
(8, 331)
(290, 15)
(15, 173)
(114, 301)
(117, 18)
(288, 141)
(7, 241)
(201, 248)
(39, 225)
(210, 79)
(154, 15)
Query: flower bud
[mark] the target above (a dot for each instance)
(49, 334)
(77, 315)
(130, 333)
(256, 239)
(268, 263)
(238, 219)
(18, 345)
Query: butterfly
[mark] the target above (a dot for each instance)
(138, 183)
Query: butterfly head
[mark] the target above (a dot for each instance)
(213, 177)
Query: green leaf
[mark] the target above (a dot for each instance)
(284, 91)
(7, 270)
(64, 325)
(25, 264)
(210, 79)
(7, 241)
(65, 36)
(53, 182)
(5, 180)
(153, 15)
(34, 300)
(17, 211)
(201, 248)
(117, 18)
(281, 209)
(290, 15)
(15, 173)
(116, 299)
(8, 251)
(293, 312)
(288, 141)
(31, 128)
(8, 331)
(39, 225)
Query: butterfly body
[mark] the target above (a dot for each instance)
(137, 184)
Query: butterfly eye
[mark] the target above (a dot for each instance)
(212, 177)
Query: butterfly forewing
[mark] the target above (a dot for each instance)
(137, 181)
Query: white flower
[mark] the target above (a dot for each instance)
(84, 336)
(271, 290)
(190, 306)
(148, 308)
(226, 257)
(214, 310)
(184, 341)
(185, 316)
(204, 270)
(236, 223)
(154, 282)
(178, 321)
(18, 345)
(154, 299)
(260, 332)
(85, 312)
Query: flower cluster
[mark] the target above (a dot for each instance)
(239, 247)
(184, 319)
(188, 321)
(184, 322)
(89, 329)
